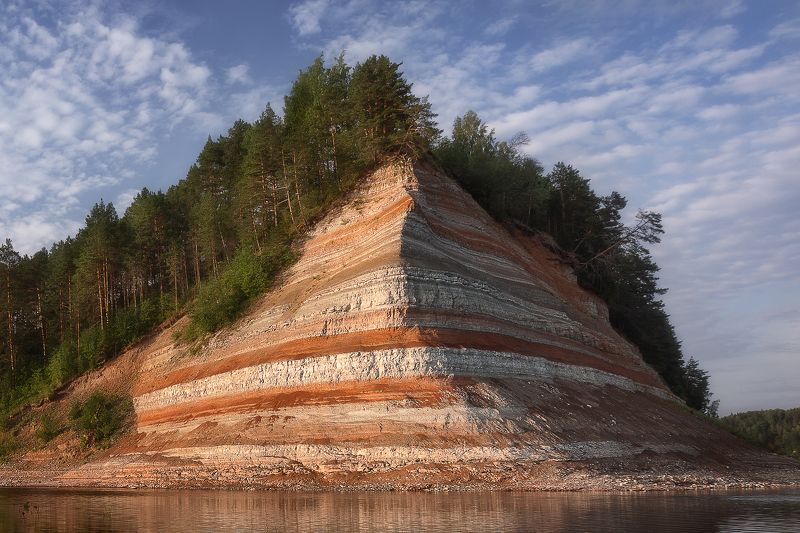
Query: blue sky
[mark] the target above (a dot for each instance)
(687, 107)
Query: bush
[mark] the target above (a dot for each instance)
(100, 417)
(220, 301)
(7, 445)
(63, 365)
(48, 428)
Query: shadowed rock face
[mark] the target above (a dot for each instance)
(415, 342)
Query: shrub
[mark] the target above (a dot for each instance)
(220, 301)
(48, 428)
(7, 445)
(100, 417)
(62, 365)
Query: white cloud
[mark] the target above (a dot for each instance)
(705, 39)
(560, 55)
(559, 136)
(675, 97)
(249, 104)
(306, 16)
(500, 26)
(787, 30)
(125, 199)
(82, 101)
(379, 33)
(782, 76)
(732, 8)
(40, 230)
(238, 74)
(554, 112)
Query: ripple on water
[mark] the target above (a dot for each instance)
(200, 511)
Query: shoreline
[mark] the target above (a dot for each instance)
(523, 480)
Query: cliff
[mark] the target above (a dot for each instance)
(416, 343)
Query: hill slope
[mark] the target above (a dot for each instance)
(416, 343)
(777, 430)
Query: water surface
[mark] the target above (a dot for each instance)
(200, 511)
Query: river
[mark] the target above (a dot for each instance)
(199, 511)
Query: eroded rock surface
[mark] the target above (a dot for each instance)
(417, 344)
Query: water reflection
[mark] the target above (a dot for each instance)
(198, 511)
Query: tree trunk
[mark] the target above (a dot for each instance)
(60, 315)
(69, 297)
(175, 281)
(296, 183)
(224, 246)
(100, 297)
(10, 324)
(78, 337)
(274, 188)
(185, 273)
(335, 164)
(255, 232)
(196, 264)
(289, 202)
(40, 312)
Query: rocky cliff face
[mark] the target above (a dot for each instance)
(417, 343)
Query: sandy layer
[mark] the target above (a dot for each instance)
(416, 344)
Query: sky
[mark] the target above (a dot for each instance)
(687, 107)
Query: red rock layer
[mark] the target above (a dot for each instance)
(416, 340)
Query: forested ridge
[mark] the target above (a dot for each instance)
(777, 430)
(609, 257)
(216, 240)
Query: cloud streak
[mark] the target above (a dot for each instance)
(81, 102)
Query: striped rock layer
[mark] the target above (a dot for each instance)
(416, 341)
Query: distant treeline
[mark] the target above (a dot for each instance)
(777, 430)
(216, 239)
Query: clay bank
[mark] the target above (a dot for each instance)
(416, 344)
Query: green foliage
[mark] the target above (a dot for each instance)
(63, 365)
(389, 117)
(95, 345)
(776, 430)
(68, 361)
(100, 417)
(8, 445)
(48, 428)
(219, 301)
(507, 184)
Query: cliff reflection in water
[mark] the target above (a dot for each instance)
(198, 511)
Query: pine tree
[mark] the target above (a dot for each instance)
(390, 117)
(9, 261)
(264, 185)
